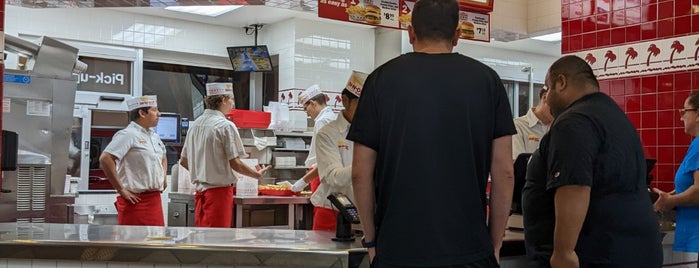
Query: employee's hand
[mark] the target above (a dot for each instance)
(299, 185)
(129, 196)
(262, 169)
(564, 260)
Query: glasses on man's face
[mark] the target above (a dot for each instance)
(685, 110)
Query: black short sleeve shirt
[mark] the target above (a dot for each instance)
(432, 119)
(594, 144)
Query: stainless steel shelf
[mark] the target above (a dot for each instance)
(293, 134)
(291, 150)
(295, 167)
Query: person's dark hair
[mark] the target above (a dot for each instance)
(320, 99)
(133, 114)
(694, 99)
(542, 93)
(435, 20)
(349, 94)
(214, 102)
(575, 69)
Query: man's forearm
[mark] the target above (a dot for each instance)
(572, 202)
(363, 164)
(244, 169)
(502, 182)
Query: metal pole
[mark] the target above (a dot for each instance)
(531, 88)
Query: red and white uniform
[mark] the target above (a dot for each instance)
(335, 169)
(139, 152)
(324, 117)
(211, 143)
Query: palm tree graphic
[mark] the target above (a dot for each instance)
(337, 99)
(696, 51)
(653, 50)
(676, 46)
(610, 57)
(630, 53)
(590, 58)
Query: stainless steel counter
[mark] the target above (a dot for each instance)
(178, 245)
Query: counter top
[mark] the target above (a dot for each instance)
(251, 200)
(185, 245)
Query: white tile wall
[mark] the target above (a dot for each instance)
(121, 28)
(326, 53)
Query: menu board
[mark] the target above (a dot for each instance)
(481, 5)
(474, 26)
(397, 14)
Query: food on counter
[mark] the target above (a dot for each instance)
(306, 192)
(356, 13)
(405, 20)
(372, 14)
(466, 30)
(280, 187)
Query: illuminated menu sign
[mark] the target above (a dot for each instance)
(397, 14)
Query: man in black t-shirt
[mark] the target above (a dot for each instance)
(585, 200)
(430, 127)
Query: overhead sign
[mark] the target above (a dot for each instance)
(105, 75)
(397, 14)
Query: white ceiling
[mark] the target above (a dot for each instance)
(248, 15)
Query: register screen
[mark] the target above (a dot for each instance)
(168, 128)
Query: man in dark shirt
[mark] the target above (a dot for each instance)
(430, 127)
(585, 200)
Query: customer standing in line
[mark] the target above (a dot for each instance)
(430, 127)
(685, 197)
(585, 201)
(135, 163)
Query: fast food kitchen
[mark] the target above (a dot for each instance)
(153, 51)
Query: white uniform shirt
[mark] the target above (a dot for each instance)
(210, 144)
(140, 153)
(530, 130)
(324, 117)
(334, 162)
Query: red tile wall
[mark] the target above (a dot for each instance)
(650, 101)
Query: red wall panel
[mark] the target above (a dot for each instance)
(650, 101)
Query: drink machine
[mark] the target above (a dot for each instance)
(38, 106)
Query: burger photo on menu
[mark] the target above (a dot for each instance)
(405, 20)
(372, 14)
(356, 13)
(466, 30)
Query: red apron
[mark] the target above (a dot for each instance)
(149, 211)
(315, 183)
(214, 207)
(324, 219)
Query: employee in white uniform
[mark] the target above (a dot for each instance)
(531, 127)
(314, 102)
(334, 154)
(211, 152)
(135, 164)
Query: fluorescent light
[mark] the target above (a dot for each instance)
(211, 11)
(554, 37)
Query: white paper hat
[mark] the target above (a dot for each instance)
(309, 93)
(140, 102)
(219, 89)
(356, 83)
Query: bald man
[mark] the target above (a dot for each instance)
(585, 201)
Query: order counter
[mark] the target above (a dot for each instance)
(195, 247)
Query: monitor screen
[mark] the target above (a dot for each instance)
(168, 128)
(250, 59)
